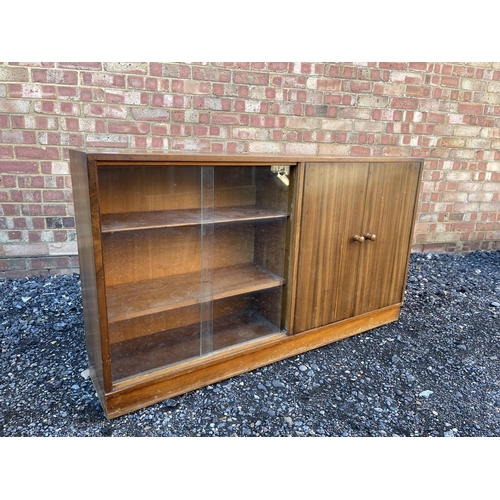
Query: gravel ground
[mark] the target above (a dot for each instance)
(435, 372)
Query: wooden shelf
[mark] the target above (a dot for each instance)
(132, 300)
(162, 349)
(189, 217)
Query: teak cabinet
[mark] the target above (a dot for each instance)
(196, 268)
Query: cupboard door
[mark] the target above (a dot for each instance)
(338, 276)
(389, 212)
(332, 213)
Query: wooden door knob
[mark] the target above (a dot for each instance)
(359, 239)
(371, 237)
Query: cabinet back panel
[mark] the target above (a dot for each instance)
(270, 245)
(177, 318)
(141, 189)
(271, 192)
(148, 254)
(234, 186)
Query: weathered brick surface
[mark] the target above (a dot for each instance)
(447, 113)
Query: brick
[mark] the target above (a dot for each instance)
(128, 128)
(212, 74)
(417, 91)
(265, 147)
(355, 113)
(37, 153)
(277, 66)
(470, 109)
(102, 80)
(450, 81)
(6, 152)
(17, 137)
(372, 101)
(393, 65)
(467, 131)
(230, 119)
(404, 103)
(251, 78)
(453, 196)
(105, 111)
(302, 122)
(191, 144)
(486, 97)
(191, 87)
(251, 133)
(127, 67)
(25, 249)
(69, 248)
(436, 117)
(319, 111)
(126, 97)
(14, 106)
(368, 126)
(287, 81)
(360, 151)
(452, 142)
(356, 86)
(81, 65)
(327, 84)
(491, 186)
(13, 74)
(478, 143)
(57, 108)
(106, 140)
(337, 125)
(294, 148)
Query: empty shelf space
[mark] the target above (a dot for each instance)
(132, 300)
(188, 217)
(137, 356)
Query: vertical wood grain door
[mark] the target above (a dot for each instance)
(339, 277)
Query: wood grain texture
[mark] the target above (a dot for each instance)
(332, 213)
(292, 242)
(154, 158)
(149, 254)
(81, 200)
(133, 221)
(143, 298)
(339, 277)
(172, 319)
(391, 197)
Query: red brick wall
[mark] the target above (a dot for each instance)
(448, 113)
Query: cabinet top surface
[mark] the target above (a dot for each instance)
(154, 156)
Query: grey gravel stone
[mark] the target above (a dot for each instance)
(364, 385)
(426, 394)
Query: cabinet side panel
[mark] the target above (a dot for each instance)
(81, 199)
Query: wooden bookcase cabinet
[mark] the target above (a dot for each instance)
(196, 268)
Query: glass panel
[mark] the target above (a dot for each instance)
(156, 230)
(206, 259)
(250, 217)
(193, 258)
